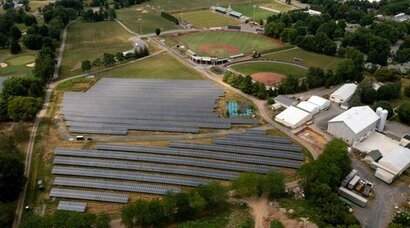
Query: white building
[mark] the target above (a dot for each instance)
(308, 107)
(354, 124)
(293, 117)
(319, 101)
(344, 93)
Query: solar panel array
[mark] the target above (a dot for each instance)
(113, 185)
(71, 206)
(115, 106)
(158, 170)
(89, 195)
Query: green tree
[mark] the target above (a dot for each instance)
(15, 33)
(407, 91)
(404, 112)
(7, 214)
(15, 47)
(369, 95)
(102, 221)
(248, 184)
(86, 65)
(276, 224)
(387, 75)
(23, 108)
(3, 40)
(158, 31)
(119, 57)
(274, 185)
(384, 92)
(12, 177)
(108, 59)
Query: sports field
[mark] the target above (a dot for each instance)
(308, 58)
(16, 65)
(143, 20)
(280, 6)
(159, 66)
(224, 43)
(255, 67)
(87, 41)
(188, 5)
(206, 19)
(253, 12)
(21, 60)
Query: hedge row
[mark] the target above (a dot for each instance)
(169, 17)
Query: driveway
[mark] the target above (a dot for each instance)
(380, 209)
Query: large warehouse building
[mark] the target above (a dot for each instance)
(353, 124)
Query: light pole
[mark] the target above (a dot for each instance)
(254, 6)
(140, 20)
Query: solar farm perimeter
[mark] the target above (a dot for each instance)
(226, 43)
(158, 170)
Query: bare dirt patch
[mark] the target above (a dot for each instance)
(268, 78)
(263, 212)
(313, 137)
(215, 49)
(277, 42)
(31, 64)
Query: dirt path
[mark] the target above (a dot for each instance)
(260, 210)
(263, 213)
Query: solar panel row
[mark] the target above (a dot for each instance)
(200, 154)
(104, 131)
(114, 185)
(149, 167)
(127, 175)
(167, 159)
(238, 142)
(89, 195)
(269, 139)
(71, 206)
(239, 150)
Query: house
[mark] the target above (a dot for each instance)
(343, 94)
(293, 117)
(354, 124)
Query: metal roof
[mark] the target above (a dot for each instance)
(284, 100)
(319, 101)
(345, 92)
(308, 106)
(293, 115)
(357, 118)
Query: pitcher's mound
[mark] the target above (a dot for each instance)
(268, 78)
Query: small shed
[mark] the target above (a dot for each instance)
(319, 101)
(375, 155)
(284, 101)
(293, 117)
(308, 107)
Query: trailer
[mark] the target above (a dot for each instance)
(353, 182)
(349, 177)
(355, 198)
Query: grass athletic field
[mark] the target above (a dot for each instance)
(88, 41)
(148, 22)
(16, 65)
(159, 66)
(280, 6)
(253, 12)
(206, 19)
(308, 58)
(187, 5)
(255, 67)
(224, 43)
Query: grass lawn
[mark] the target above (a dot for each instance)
(21, 60)
(276, 5)
(159, 66)
(255, 67)
(150, 20)
(253, 12)
(308, 58)
(187, 5)
(238, 42)
(87, 41)
(17, 63)
(206, 19)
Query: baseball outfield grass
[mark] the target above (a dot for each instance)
(223, 43)
(250, 68)
(206, 18)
